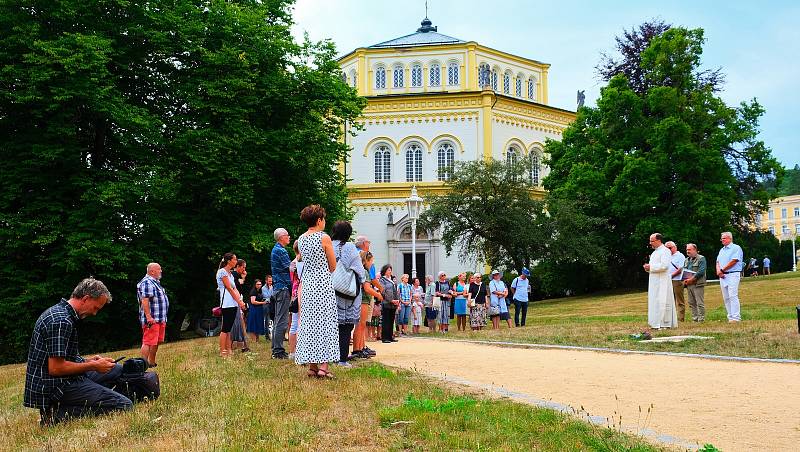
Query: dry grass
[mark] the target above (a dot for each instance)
(253, 402)
(768, 329)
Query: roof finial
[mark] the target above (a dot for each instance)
(426, 23)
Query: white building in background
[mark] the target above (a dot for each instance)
(435, 101)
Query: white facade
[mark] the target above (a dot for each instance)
(429, 109)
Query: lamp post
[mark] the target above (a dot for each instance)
(414, 203)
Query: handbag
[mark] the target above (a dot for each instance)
(344, 280)
(493, 309)
(216, 311)
(436, 303)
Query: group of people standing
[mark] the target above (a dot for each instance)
(470, 300)
(323, 323)
(670, 272)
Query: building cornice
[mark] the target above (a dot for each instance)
(394, 190)
(363, 194)
(471, 100)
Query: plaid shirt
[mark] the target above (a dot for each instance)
(55, 334)
(280, 268)
(150, 287)
(405, 292)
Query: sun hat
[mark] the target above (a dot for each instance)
(495, 272)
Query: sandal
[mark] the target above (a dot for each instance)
(312, 373)
(325, 374)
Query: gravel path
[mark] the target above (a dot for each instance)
(732, 405)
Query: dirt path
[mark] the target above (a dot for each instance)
(733, 405)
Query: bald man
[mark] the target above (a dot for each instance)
(729, 270)
(153, 306)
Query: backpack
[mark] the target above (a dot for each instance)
(138, 387)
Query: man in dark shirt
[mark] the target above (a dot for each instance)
(60, 382)
(282, 285)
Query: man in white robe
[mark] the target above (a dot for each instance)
(660, 300)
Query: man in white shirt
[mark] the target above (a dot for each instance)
(520, 288)
(729, 270)
(676, 272)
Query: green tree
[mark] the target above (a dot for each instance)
(167, 131)
(673, 159)
(791, 182)
(490, 214)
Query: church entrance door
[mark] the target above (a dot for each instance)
(420, 267)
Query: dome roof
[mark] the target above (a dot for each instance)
(426, 35)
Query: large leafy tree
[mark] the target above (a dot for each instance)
(166, 131)
(672, 158)
(490, 215)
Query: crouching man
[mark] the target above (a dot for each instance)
(59, 382)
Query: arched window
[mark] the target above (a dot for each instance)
(344, 78)
(512, 155)
(397, 76)
(536, 167)
(380, 77)
(531, 88)
(507, 83)
(518, 86)
(483, 75)
(416, 75)
(452, 74)
(435, 75)
(494, 79)
(354, 78)
(383, 164)
(446, 156)
(414, 163)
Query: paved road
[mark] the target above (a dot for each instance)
(732, 405)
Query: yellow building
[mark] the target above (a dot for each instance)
(434, 101)
(782, 218)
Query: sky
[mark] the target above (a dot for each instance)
(756, 44)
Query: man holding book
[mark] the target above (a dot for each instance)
(694, 273)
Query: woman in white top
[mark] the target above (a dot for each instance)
(230, 301)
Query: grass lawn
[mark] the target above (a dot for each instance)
(253, 402)
(768, 329)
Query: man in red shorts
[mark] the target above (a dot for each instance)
(153, 306)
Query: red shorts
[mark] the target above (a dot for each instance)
(154, 335)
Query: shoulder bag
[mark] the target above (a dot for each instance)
(344, 280)
(493, 309)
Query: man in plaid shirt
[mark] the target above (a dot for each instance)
(153, 306)
(59, 381)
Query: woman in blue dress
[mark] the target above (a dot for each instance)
(255, 316)
(461, 289)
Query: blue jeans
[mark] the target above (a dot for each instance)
(520, 307)
(403, 314)
(90, 395)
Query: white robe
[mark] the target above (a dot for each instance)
(661, 311)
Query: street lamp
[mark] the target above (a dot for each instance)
(793, 236)
(414, 204)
